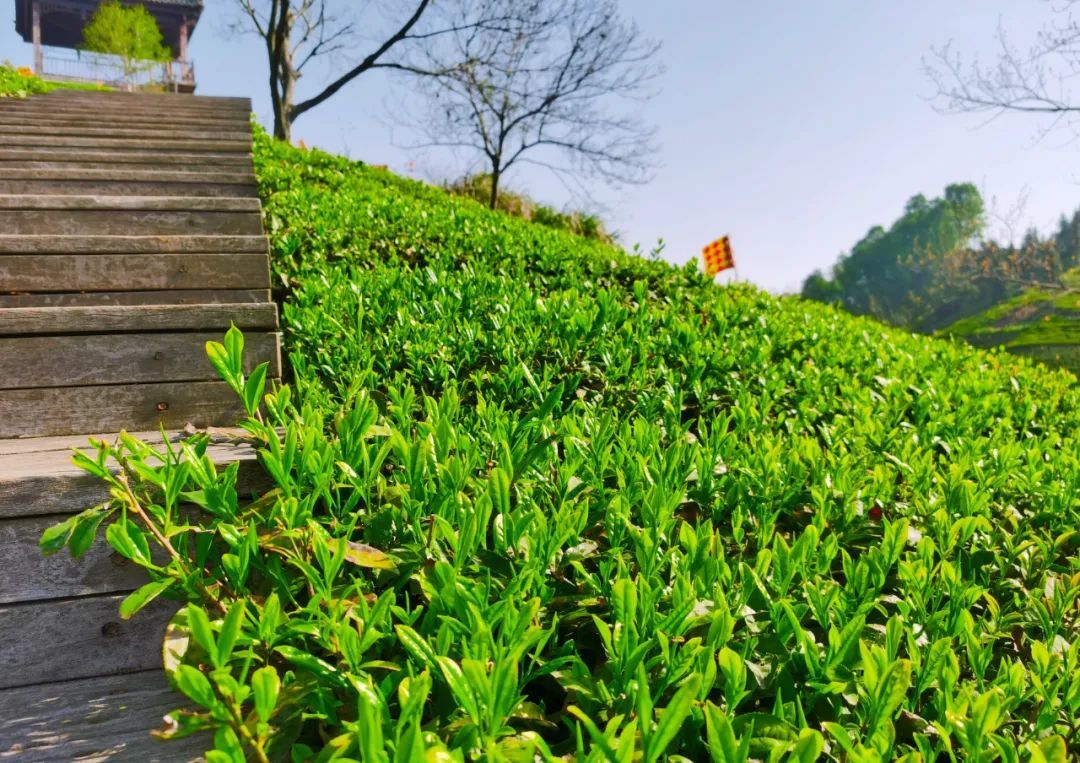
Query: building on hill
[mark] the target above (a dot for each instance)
(59, 24)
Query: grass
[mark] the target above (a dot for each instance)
(537, 499)
(1037, 323)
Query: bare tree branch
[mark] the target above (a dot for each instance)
(544, 81)
(1036, 81)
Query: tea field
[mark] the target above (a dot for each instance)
(538, 499)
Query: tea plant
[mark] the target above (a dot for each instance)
(536, 499)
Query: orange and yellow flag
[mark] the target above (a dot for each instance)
(717, 256)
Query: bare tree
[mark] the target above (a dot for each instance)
(541, 88)
(298, 32)
(1036, 80)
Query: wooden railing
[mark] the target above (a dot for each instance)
(109, 70)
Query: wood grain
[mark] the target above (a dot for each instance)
(29, 575)
(166, 297)
(135, 272)
(38, 478)
(123, 221)
(77, 243)
(78, 638)
(95, 719)
(21, 321)
(73, 361)
(58, 411)
(78, 186)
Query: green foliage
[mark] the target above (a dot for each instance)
(890, 273)
(21, 82)
(536, 499)
(478, 188)
(129, 32)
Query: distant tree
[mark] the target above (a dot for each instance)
(1037, 79)
(890, 273)
(541, 88)
(129, 33)
(297, 33)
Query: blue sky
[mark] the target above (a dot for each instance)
(791, 126)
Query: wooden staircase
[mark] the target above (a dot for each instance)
(130, 234)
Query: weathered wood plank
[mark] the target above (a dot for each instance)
(78, 638)
(129, 144)
(122, 221)
(46, 482)
(135, 272)
(31, 576)
(20, 321)
(57, 411)
(73, 361)
(80, 186)
(31, 116)
(76, 171)
(227, 133)
(108, 157)
(39, 445)
(20, 202)
(171, 100)
(167, 297)
(126, 244)
(94, 720)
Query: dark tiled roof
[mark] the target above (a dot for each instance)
(190, 3)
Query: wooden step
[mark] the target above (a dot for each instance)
(44, 297)
(74, 361)
(171, 101)
(135, 272)
(98, 158)
(132, 244)
(76, 171)
(128, 145)
(119, 215)
(94, 720)
(30, 115)
(85, 320)
(84, 187)
(173, 405)
(78, 638)
(178, 132)
(37, 477)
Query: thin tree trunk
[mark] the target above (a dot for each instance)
(493, 198)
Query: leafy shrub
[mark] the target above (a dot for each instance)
(537, 499)
(21, 82)
(478, 188)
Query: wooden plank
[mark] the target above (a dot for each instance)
(67, 639)
(20, 321)
(42, 202)
(94, 720)
(128, 144)
(170, 244)
(225, 133)
(136, 272)
(29, 575)
(40, 445)
(67, 410)
(73, 361)
(31, 116)
(45, 482)
(99, 157)
(76, 171)
(169, 297)
(121, 221)
(173, 101)
(176, 131)
(79, 186)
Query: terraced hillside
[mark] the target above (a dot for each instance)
(537, 499)
(1036, 324)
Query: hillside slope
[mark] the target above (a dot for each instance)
(705, 514)
(1036, 324)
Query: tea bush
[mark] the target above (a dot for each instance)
(536, 499)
